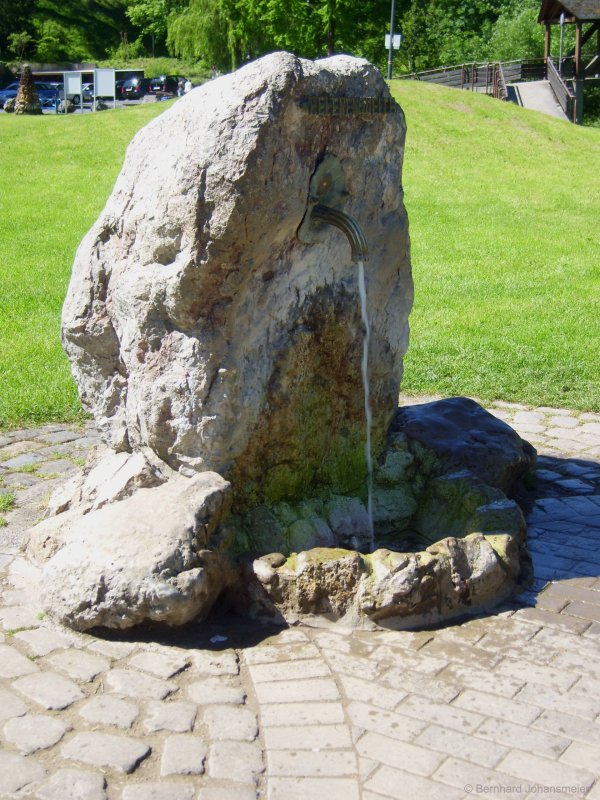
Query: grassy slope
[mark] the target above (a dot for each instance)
(503, 205)
(56, 175)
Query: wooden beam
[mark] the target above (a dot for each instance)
(547, 40)
(578, 37)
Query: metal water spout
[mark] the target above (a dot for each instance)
(327, 192)
(341, 220)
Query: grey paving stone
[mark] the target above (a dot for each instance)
(183, 754)
(59, 437)
(400, 785)
(20, 479)
(307, 737)
(396, 753)
(158, 791)
(299, 690)
(237, 761)
(302, 714)
(106, 751)
(448, 716)
(396, 726)
(311, 764)
(73, 784)
(24, 460)
(240, 792)
(373, 691)
(536, 769)
(500, 707)
(159, 664)
(224, 662)
(34, 732)
(18, 774)
(212, 691)
(42, 641)
(13, 617)
(13, 664)
(177, 717)
(50, 690)
(11, 705)
(61, 466)
(535, 741)
(463, 745)
(266, 653)
(291, 670)
(230, 723)
(582, 755)
(130, 683)
(110, 649)
(79, 664)
(104, 709)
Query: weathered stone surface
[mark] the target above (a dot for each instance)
(34, 732)
(105, 750)
(106, 478)
(464, 435)
(10, 705)
(177, 717)
(183, 754)
(141, 558)
(219, 346)
(13, 664)
(128, 683)
(391, 589)
(50, 690)
(18, 773)
(73, 784)
(103, 709)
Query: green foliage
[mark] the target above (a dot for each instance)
(7, 501)
(15, 18)
(19, 44)
(517, 34)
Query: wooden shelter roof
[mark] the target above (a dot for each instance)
(574, 10)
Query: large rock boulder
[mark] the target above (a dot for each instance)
(199, 325)
(145, 557)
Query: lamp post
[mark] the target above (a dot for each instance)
(391, 50)
(562, 27)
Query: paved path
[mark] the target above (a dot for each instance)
(507, 704)
(538, 96)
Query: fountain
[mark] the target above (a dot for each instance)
(236, 323)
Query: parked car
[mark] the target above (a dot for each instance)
(46, 92)
(87, 90)
(165, 84)
(134, 88)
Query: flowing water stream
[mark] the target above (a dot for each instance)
(365, 378)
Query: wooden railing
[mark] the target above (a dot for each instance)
(490, 77)
(565, 97)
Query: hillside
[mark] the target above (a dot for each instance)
(503, 211)
(503, 206)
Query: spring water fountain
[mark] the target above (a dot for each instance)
(236, 323)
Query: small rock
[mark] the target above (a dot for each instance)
(163, 666)
(13, 664)
(81, 666)
(106, 751)
(34, 732)
(73, 784)
(50, 690)
(238, 761)
(158, 791)
(230, 723)
(224, 662)
(216, 692)
(177, 717)
(42, 641)
(135, 684)
(103, 709)
(183, 754)
(18, 773)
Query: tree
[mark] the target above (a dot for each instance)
(517, 34)
(15, 15)
(19, 43)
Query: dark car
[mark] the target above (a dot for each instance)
(134, 88)
(46, 92)
(165, 84)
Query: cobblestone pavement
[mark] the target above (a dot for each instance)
(506, 704)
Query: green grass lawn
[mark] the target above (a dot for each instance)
(56, 175)
(504, 209)
(503, 206)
